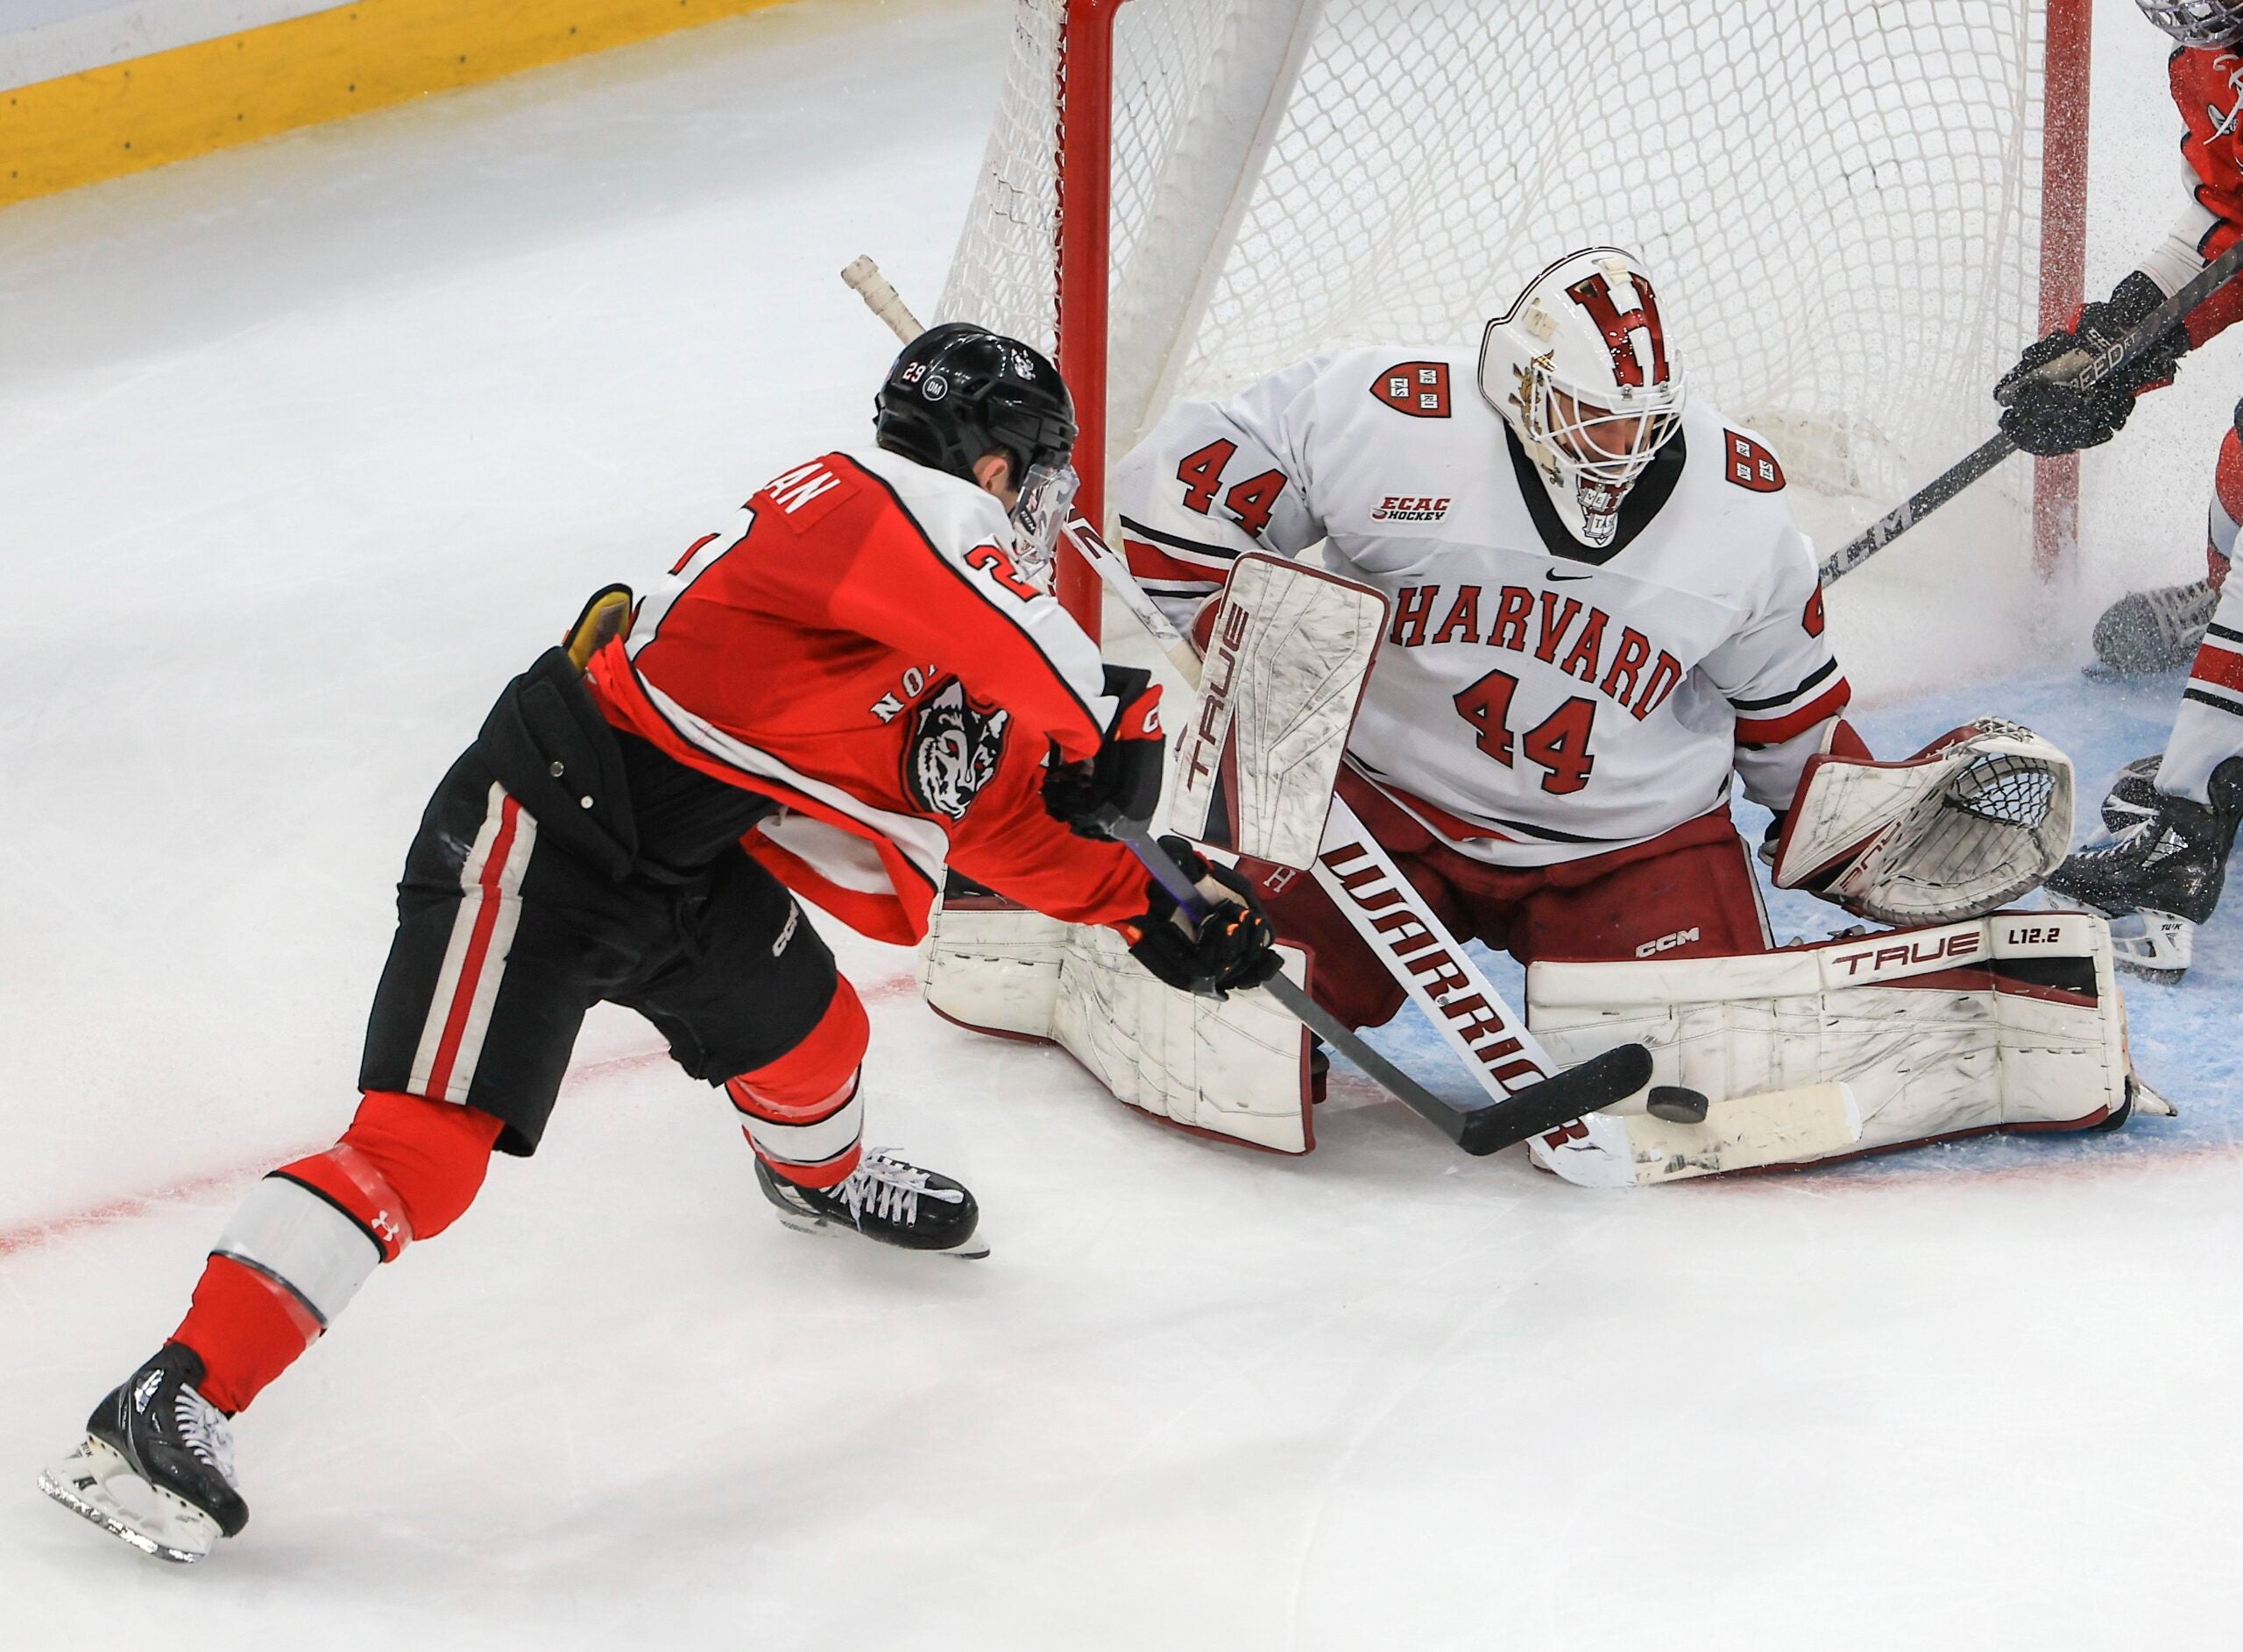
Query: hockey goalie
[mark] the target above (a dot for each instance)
(1600, 616)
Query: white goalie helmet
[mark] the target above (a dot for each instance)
(1580, 368)
(2198, 23)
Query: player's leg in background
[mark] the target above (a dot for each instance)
(2208, 728)
(2159, 866)
(750, 1001)
(1690, 893)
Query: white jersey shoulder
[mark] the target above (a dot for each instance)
(953, 513)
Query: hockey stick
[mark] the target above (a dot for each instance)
(2087, 369)
(1532, 1111)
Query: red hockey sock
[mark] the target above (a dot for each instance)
(309, 1233)
(801, 1112)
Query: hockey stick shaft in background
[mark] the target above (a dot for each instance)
(1989, 454)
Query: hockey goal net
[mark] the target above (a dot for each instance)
(1857, 212)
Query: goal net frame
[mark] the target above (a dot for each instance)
(1082, 135)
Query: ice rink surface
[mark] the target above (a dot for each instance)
(310, 446)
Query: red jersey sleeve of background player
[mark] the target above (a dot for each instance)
(2208, 90)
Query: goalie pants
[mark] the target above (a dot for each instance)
(505, 937)
(1689, 892)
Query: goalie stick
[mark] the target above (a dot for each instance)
(1989, 454)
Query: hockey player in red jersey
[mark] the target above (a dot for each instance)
(861, 679)
(2171, 820)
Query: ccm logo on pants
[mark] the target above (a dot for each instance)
(1666, 944)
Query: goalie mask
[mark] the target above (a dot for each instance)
(1580, 370)
(2201, 23)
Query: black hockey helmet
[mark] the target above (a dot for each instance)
(960, 390)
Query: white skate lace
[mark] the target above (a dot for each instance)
(203, 1430)
(890, 1189)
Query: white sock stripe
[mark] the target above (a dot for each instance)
(819, 1143)
(286, 1229)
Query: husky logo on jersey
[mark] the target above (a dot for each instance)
(1419, 388)
(953, 753)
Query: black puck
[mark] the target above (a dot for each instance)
(1676, 1104)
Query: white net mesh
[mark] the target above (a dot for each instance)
(1839, 200)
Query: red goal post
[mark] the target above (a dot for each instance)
(1860, 213)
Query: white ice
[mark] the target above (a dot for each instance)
(307, 447)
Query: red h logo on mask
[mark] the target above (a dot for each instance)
(1595, 295)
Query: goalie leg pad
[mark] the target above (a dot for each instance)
(1237, 1068)
(2012, 1021)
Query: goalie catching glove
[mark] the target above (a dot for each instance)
(1125, 775)
(1972, 822)
(2047, 411)
(1230, 951)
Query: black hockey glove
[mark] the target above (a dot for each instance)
(2047, 416)
(1231, 949)
(1126, 772)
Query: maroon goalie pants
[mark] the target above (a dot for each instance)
(1689, 892)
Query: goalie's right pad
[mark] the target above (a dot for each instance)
(2007, 1022)
(1975, 819)
(1237, 1067)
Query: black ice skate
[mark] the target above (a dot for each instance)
(157, 1466)
(2145, 632)
(886, 1199)
(2159, 875)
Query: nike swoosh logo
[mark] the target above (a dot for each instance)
(1553, 574)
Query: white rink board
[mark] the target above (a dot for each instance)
(313, 443)
(44, 39)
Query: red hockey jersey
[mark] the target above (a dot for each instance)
(2208, 89)
(860, 647)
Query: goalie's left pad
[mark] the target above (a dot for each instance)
(1975, 819)
(2006, 1022)
(1236, 1068)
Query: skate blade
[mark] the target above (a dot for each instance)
(2157, 946)
(154, 1522)
(801, 1222)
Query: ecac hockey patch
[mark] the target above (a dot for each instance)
(954, 751)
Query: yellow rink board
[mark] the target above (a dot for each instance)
(152, 110)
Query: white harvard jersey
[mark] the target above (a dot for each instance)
(1534, 701)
